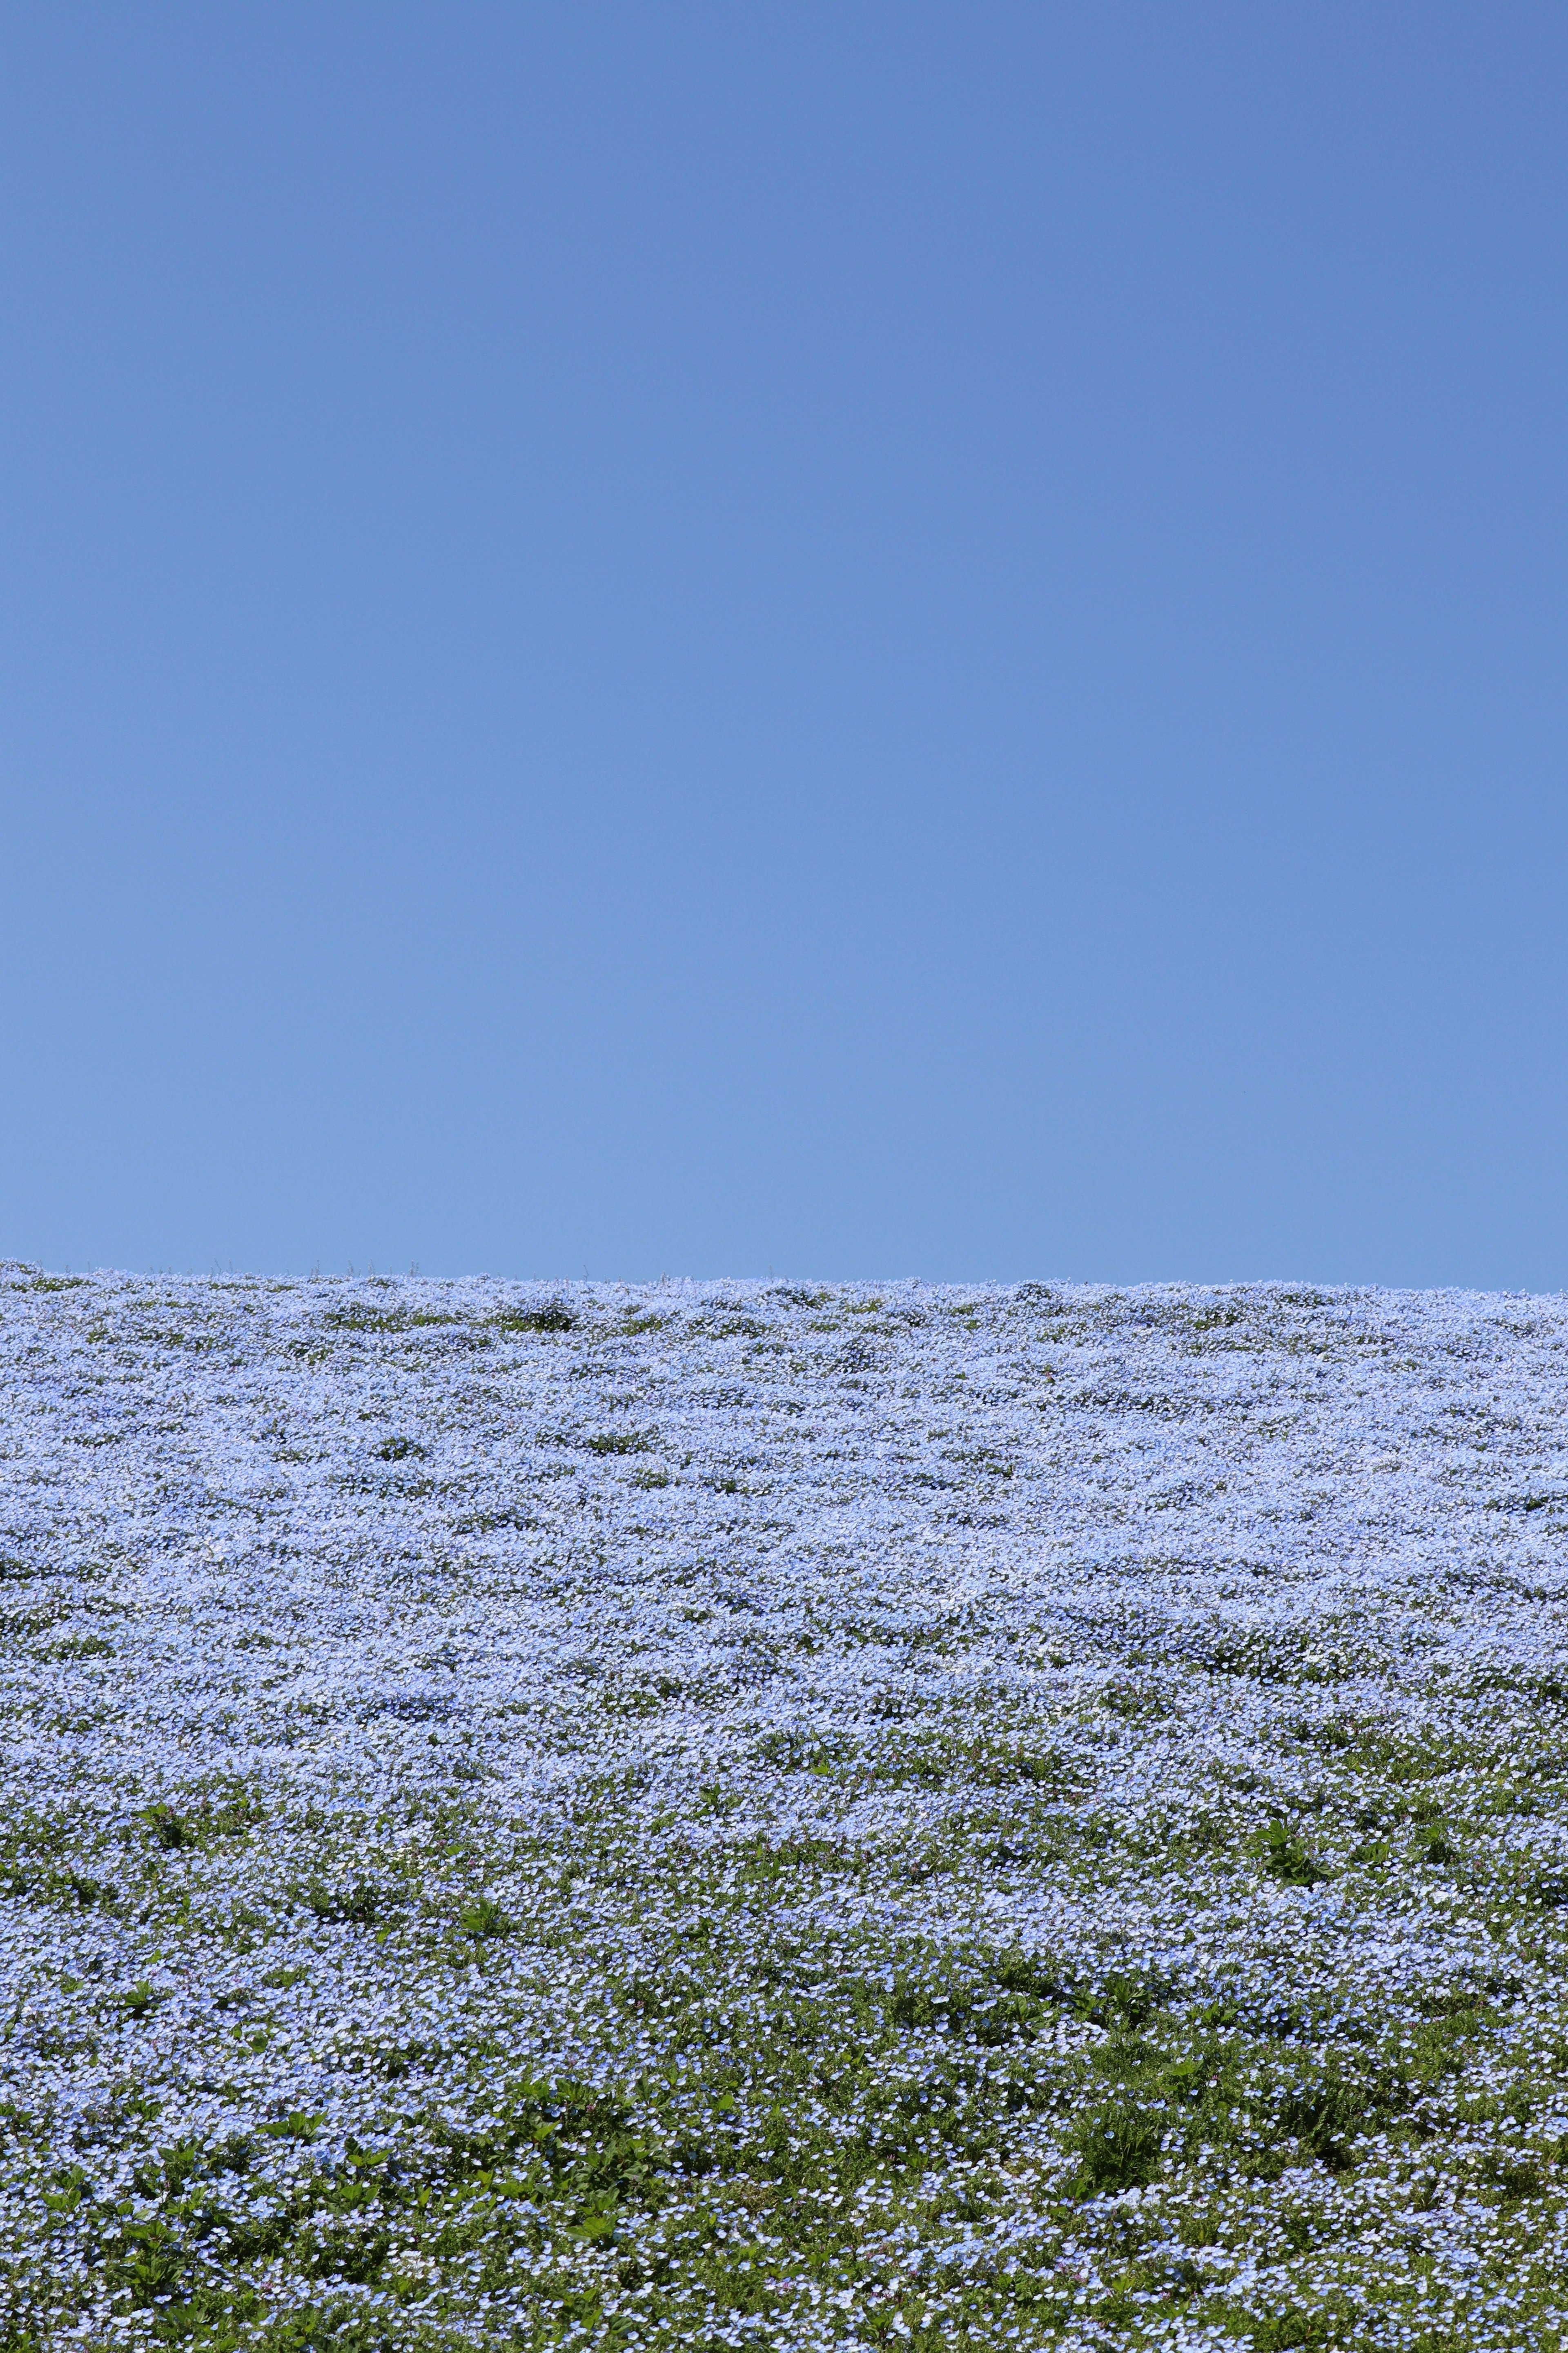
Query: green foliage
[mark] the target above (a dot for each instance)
(1286, 1857)
(484, 1917)
(554, 1317)
(361, 1903)
(1118, 2147)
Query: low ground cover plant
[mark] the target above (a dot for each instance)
(754, 1816)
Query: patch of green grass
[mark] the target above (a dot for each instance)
(357, 1317)
(556, 1316)
(483, 1916)
(229, 1810)
(1286, 1857)
(360, 1904)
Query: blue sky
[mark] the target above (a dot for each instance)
(846, 641)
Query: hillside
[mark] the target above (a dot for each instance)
(748, 1815)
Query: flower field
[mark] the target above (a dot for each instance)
(734, 1815)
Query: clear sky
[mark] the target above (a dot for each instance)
(838, 639)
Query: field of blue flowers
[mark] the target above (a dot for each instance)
(731, 1815)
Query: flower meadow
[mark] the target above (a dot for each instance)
(736, 1815)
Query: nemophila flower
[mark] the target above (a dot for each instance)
(741, 1814)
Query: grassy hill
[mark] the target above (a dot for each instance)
(729, 1815)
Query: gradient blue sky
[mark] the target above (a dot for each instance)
(857, 640)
